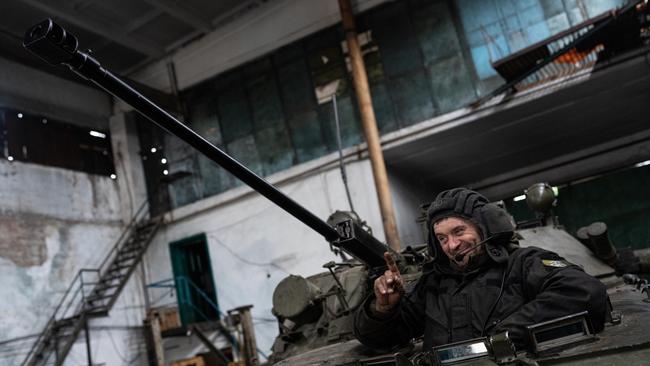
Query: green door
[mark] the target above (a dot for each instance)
(196, 295)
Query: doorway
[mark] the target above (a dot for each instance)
(197, 297)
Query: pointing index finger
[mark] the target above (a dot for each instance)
(390, 262)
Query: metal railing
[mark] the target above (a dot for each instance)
(184, 287)
(69, 306)
(139, 216)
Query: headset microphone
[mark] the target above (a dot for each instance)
(459, 257)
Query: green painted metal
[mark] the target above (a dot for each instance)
(191, 265)
(188, 293)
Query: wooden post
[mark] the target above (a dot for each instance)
(153, 321)
(249, 335)
(360, 80)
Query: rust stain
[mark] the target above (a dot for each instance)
(23, 240)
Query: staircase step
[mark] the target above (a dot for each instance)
(59, 327)
(111, 278)
(104, 286)
(126, 257)
(97, 312)
(97, 294)
(67, 321)
(147, 224)
(144, 235)
(133, 243)
(96, 297)
(63, 335)
(128, 249)
(120, 265)
(117, 269)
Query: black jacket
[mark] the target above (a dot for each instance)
(532, 286)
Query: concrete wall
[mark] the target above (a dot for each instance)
(408, 194)
(54, 222)
(119, 338)
(253, 244)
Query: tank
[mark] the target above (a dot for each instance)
(315, 314)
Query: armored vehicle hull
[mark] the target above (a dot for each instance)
(625, 340)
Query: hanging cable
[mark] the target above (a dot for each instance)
(338, 140)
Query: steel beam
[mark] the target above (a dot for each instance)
(65, 12)
(182, 13)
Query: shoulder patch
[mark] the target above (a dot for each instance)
(555, 263)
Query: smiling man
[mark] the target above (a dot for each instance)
(458, 239)
(479, 283)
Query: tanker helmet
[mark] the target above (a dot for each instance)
(493, 222)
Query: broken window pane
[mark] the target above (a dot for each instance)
(41, 140)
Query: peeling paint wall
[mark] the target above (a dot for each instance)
(53, 223)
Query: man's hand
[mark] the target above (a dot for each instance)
(389, 287)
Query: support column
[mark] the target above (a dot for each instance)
(360, 80)
(250, 344)
(155, 351)
(88, 351)
(128, 163)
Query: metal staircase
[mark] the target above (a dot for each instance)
(93, 292)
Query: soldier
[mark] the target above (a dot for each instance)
(480, 283)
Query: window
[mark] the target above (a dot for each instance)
(41, 140)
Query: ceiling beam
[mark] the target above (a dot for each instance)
(142, 20)
(136, 24)
(65, 12)
(80, 4)
(215, 23)
(235, 12)
(182, 13)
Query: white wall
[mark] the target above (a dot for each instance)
(408, 194)
(253, 244)
(56, 221)
(53, 223)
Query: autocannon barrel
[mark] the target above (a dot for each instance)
(52, 43)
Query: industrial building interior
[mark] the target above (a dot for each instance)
(124, 245)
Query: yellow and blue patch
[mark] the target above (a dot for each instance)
(557, 263)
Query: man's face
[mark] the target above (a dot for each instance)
(458, 236)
